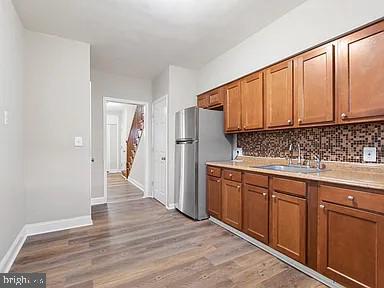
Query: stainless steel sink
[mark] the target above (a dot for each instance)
(290, 168)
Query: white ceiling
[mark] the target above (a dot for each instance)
(139, 38)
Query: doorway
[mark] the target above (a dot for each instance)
(160, 136)
(126, 150)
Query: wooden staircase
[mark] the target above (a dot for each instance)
(134, 137)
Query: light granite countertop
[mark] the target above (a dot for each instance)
(354, 174)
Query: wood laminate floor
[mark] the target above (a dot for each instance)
(139, 243)
(119, 189)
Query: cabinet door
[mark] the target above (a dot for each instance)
(314, 86)
(214, 196)
(216, 97)
(203, 101)
(279, 95)
(360, 75)
(232, 107)
(351, 249)
(231, 201)
(289, 226)
(252, 100)
(256, 212)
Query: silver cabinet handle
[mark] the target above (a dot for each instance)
(238, 186)
(218, 181)
(350, 197)
(322, 206)
(343, 116)
(211, 171)
(264, 194)
(230, 174)
(273, 196)
(289, 122)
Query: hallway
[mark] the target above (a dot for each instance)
(120, 190)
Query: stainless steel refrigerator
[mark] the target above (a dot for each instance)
(199, 138)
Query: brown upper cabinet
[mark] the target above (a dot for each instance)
(232, 107)
(360, 75)
(279, 95)
(338, 82)
(212, 99)
(203, 101)
(252, 99)
(314, 86)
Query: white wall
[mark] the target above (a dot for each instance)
(160, 85)
(180, 85)
(12, 203)
(56, 109)
(307, 25)
(110, 85)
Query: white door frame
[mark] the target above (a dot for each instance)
(147, 147)
(165, 97)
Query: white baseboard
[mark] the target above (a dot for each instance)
(136, 183)
(39, 228)
(13, 251)
(282, 257)
(171, 206)
(58, 225)
(98, 200)
(115, 171)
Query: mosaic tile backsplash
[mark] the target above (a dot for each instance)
(343, 143)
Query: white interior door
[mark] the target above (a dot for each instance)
(159, 149)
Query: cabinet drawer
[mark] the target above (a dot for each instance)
(352, 198)
(256, 179)
(216, 98)
(203, 101)
(232, 175)
(289, 186)
(214, 171)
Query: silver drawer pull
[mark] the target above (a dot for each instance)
(322, 206)
(264, 194)
(273, 196)
(218, 181)
(230, 175)
(350, 197)
(211, 171)
(238, 186)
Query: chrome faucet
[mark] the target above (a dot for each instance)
(291, 150)
(317, 158)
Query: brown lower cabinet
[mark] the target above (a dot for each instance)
(255, 214)
(289, 222)
(231, 201)
(348, 224)
(214, 196)
(350, 242)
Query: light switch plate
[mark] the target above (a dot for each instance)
(369, 154)
(5, 121)
(78, 141)
(237, 152)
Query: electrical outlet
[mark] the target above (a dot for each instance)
(369, 154)
(78, 141)
(237, 152)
